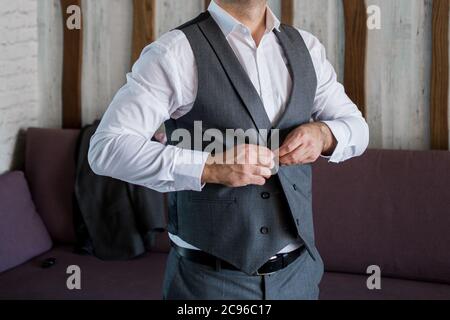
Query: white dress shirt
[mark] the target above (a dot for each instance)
(163, 85)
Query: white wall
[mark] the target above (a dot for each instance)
(397, 69)
(107, 46)
(171, 13)
(31, 42)
(397, 81)
(50, 63)
(18, 75)
(398, 75)
(275, 5)
(324, 19)
(107, 34)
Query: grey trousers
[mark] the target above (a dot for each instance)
(186, 280)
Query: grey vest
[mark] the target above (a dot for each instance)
(244, 226)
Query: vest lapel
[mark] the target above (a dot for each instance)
(236, 73)
(300, 63)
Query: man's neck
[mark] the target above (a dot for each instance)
(251, 13)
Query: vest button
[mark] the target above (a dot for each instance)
(295, 187)
(264, 230)
(265, 195)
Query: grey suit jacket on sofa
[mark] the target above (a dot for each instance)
(114, 220)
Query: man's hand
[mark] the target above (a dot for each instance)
(239, 167)
(160, 137)
(306, 144)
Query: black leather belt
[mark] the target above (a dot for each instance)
(277, 263)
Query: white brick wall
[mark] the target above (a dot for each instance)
(18, 76)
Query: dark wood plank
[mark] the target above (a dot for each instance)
(143, 26)
(72, 64)
(355, 14)
(287, 12)
(440, 76)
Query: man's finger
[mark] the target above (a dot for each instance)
(298, 156)
(262, 172)
(259, 171)
(290, 145)
(257, 180)
(267, 159)
(259, 155)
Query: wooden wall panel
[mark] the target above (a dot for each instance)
(144, 25)
(50, 63)
(398, 70)
(72, 69)
(287, 12)
(329, 28)
(276, 7)
(109, 41)
(107, 49)
(398, 75)
(172, 13)
(355, 51)
(439, 76)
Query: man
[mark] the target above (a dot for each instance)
(238, 230)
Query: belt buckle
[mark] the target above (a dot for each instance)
(267, 273)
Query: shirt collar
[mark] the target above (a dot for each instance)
(227, 23)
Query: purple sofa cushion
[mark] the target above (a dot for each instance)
(50, 171)
(343, 286)
(22, 233)
(387, 208)
(137, 279)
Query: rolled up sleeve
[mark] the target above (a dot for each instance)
(122, 146)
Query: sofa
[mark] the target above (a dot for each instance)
(389, 209)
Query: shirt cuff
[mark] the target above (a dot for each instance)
(188, 169)
(340, 132)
